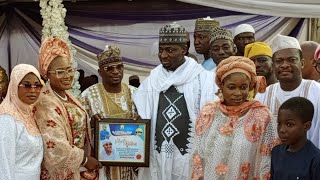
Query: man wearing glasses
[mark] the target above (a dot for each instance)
(111, 99)
(309, 70)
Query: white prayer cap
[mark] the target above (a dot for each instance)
(242, 28)
(284, 42)
(106, 141)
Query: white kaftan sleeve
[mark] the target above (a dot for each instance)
(143, 99)
(314, 132)
(7, 147)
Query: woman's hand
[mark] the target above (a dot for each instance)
(94, 118)
(136, 117)
(92, 164)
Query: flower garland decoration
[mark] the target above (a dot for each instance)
(53, 14)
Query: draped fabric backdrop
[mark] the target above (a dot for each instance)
(288, 8)
(133, 26)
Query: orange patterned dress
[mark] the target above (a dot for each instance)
(234, 142)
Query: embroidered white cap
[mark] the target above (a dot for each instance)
(242, 28)
(284, 42)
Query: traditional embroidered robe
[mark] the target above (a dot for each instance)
(173, 125)
(111, 105)
(228, 147)
(275, 96)
(64, 128)
(172, 100)
(97, 100)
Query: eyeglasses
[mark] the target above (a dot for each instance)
(37, 87)
(110, 68)
(108, 144)
(60, 73)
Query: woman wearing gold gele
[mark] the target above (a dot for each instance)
(61, 119)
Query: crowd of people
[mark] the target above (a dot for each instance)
(248, 111)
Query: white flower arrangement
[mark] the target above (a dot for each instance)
(53, 14)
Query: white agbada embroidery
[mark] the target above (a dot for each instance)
(21, 154)
(275, 96)
(198, 87)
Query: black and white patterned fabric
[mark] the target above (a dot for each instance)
(173, 123)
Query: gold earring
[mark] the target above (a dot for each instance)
(220, 95)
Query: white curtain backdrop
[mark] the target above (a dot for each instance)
(286, 8)
(20, 35)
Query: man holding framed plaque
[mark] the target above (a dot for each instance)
(172, 97)
(110, 99)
